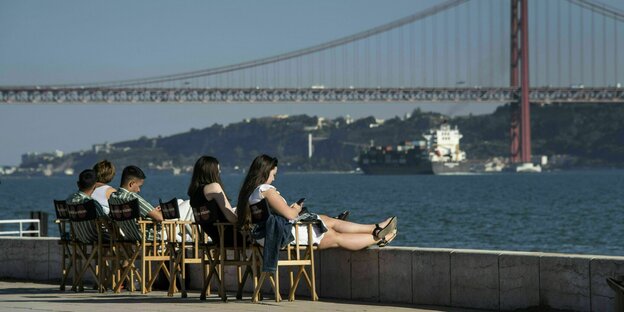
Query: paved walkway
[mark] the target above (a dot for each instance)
(27, 296)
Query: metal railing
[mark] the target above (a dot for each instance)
(21, 230)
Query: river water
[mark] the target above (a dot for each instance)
(571, 212)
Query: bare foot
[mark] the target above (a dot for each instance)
(388, 238)
(384, 223)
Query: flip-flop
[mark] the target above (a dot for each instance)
(384, 242)
(380, 233)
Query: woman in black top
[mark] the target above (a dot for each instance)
(206, 189)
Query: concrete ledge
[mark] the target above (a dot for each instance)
(390, 277)
(482, 279)
(519, 281)
(474, 280)
(564, 282)
(336, 272)
(431, 276)
(601, 293)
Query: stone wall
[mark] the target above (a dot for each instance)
(482, 279)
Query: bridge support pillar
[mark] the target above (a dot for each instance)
(520, 128)
(514, 131)
(525, 106)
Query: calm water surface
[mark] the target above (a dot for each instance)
(571, 212)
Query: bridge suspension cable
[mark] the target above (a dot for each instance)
(278, 58)
(600, 8)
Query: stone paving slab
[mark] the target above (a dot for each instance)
(27, 296)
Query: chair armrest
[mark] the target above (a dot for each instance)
(224, 224)
(306, 222)
(164, 222)
(182, 222)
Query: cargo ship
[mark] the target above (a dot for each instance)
(438, 153)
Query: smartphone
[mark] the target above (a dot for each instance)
(300, 201)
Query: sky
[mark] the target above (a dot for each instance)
(69, 41)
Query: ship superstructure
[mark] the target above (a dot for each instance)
(443, 144)
(439, 153)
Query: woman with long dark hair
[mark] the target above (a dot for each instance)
(352, 236)
(206, 188)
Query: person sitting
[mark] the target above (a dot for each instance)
(206, 188)
(105, 171)
(132, 179)
(330, 233)
(86, 185)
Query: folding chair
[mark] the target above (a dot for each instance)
(222, 250)
(144, 241)
(66, 240)
(182, 251)
(92, 244)
(298, 257)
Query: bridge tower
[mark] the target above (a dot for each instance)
(520, 130)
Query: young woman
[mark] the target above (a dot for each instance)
(105, 171)
(348, 235)
(206, 189)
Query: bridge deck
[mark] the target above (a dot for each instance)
(289, 95)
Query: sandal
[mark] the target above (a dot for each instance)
(380, 233)
(384, 242)
(343, 215)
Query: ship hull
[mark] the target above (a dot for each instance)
(397, 169)
(443, 168)
(437, 168)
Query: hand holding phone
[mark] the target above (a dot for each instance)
(300, 201)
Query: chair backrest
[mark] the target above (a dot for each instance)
(82, 212)
(126, 215)
(170, 209)
(207, 213)
(83, 220)
(60, 207)
(62, 220)
(260, 211)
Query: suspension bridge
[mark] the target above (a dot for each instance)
(517, 51)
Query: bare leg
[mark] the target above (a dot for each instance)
(342, 226)
(349, 241)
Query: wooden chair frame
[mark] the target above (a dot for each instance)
(298, 257)
(182, 252)
(217, 254)
(135, 245)
(94, 251)
(66, 241)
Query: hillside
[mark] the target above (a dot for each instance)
(586, 134)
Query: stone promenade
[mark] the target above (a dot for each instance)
(27, 296)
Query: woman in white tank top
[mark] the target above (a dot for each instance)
(105, 171)
(348, 235)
